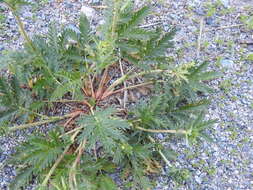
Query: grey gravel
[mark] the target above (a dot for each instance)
(225, 164)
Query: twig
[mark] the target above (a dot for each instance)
(100, 7)
(247, 43)
(129, 76)
(74, 115)
(149, 25)
(200, 36)
(62, 101)
(128, 88)
(224, 27)
(72, 131)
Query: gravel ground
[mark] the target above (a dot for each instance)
(227, 162)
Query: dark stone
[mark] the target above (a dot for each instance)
(210, 21)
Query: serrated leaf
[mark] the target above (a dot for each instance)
(84, 26)
(104, 128)
(22, 179)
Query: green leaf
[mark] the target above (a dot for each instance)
(84, 26)
(198, 127)
(170, 154)
(194, 106)
(203, 66)
(105, 128)
(208, 75)
(105, 183)
(249, 57)
(16, 4)
(72, 86)
(22, 179)
(139, 34)
(7, 114)
(163, 44)
(137, 18)
(39, 152)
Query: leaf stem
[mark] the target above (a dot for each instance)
(72, 173)
(160, 152)
(180, 131)
(27, 110)
(127, 88)
(114, 20)
(50, 120)
(129, 76)
(57, 162)
(63, 101)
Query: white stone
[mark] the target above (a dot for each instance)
(227, 63)
(198, 179)
(88, 12)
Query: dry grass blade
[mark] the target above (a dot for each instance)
(125, 85)
(200, 36)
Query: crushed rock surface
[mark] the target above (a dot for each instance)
(226, 163)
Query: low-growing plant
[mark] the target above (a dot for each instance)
(2, 17)
(247, 20)
(88, 72)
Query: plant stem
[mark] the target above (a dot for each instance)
(27, 110)
(200, 36)
(21, 26)
(180, 131)
(125, 85)
(114, 20)
(129, 76)
(52, 119)
(127, 88)
(63, 101)
(72, 131)
(72, 173)
(160, 152)
(148, 72)
(57, 162)
(225, 27)
(26, 37)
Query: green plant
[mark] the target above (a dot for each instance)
(2, 18)
(226, 85)
(247, 20)
(80, 69)
(249, 57)
(212, 8)
(180, 176)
